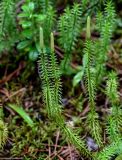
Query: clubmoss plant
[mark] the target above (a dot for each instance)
(7, 24)
(92, 120)
(42, 13)
(69, 30)
(105, 26)
(115, 117)
(51, 84)
(3, 128)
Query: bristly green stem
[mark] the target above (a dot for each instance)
(51, 85)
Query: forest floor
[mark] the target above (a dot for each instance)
(20, 84)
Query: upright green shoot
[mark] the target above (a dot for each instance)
(92, 119)
(51, 85)
(3, 128)
(115, 116)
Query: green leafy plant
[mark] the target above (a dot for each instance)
(36, 22)
(115, 117)
(3, 133)
(69, 29)
(108, 152)
(113, 120)
(22, 113)
(51, 89)
(30, 19)
(105, 25)
(7, 24)
(3, 128)
(50, 76)
(93, 123)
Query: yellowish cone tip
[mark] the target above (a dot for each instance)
(88, 32)
(52, 41)
(41, 38)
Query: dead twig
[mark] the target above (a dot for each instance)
(11, 75)
(57, 138)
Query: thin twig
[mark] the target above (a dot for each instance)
(57, 138)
